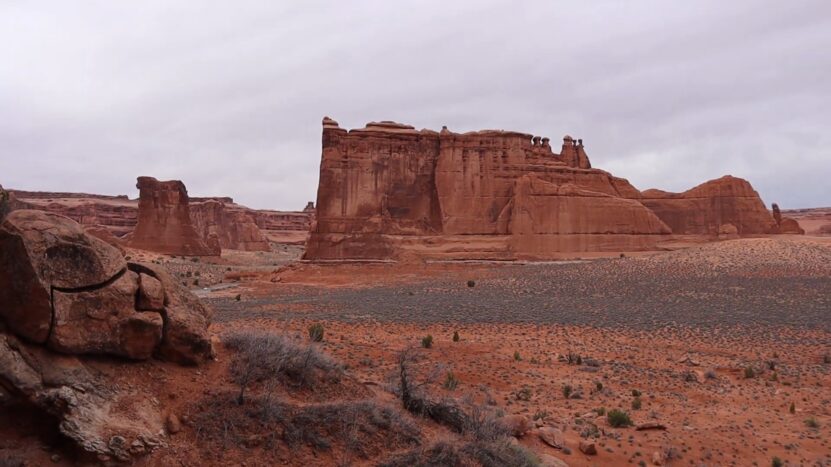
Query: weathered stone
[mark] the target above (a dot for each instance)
(151, 294)
(41, 252)
(552, 437)
(105, 321)
(186, 319)
(588, 448)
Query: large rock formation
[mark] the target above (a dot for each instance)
(76, 294)
(389, 190)
(234, 229)
(164, 222)
(704, 209)
(65, 295)
(233, 226)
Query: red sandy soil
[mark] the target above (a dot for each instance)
(689, 370)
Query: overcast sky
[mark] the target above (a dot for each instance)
(228, 96)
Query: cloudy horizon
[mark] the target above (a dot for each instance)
(230, 99)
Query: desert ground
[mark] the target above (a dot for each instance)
(719, 353)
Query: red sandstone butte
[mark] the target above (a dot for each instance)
(704, 209)
(231, 229)
(164, 223)
(389, 191)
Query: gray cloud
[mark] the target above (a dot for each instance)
(228, 96)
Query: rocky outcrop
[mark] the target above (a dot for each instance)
(784, 225)
(76, 294)
(704, 209)
(105, 422)
(164, 222)
(389, 190)
(233, 229)
(66, 295)
(117, 214)
(229, 226)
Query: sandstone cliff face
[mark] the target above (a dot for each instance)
(113, 218)
(704, 209)
(232, 229)
(388, 190)
(164, 222)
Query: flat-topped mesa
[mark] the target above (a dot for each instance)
(164, 222)
(388, 190)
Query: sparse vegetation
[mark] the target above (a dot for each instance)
(599, 386)
(826, 359)
(316, 332)
(776, 462)
(450, 381)
(636, 393)
(600, 411)
(455, 336)
(749, 372)
(637, 403)
(524, 394)
(517, 356)
(471, 283)
(792, 408)
(262, 357)
(812, 423)
(427, 341)
(618, 418)
(567, 391)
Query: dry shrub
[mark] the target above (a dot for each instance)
(498, 453)
(363, 428)
(263, 357)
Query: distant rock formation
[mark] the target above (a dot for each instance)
(704, 209)
(164, 222)
(118, 215)
(388, 190)
(230, 228)
(784, 225)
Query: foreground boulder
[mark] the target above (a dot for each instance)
(64, 295)
(76, 294)
(104, 422)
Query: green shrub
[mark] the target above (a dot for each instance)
(316, 332)
(517, 356)
(567, 391)
(749, 373)
(427, 341)
(599, 386)
(636, 393)
(455, 336)
(450, 381)
(618, 418)
(812, 423)
(637, 403)
(776, 462)
(600, 411)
